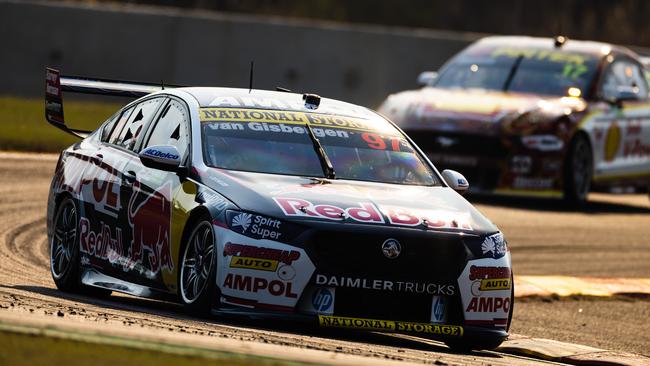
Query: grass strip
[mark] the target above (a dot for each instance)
(27, 345)
(23, 126)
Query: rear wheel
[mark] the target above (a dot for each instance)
(64, 252)
(578, 170)
(198, 268)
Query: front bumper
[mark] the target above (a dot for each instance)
(339, 278)
(495, 164)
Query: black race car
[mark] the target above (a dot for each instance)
(534, 116)
(272, 204)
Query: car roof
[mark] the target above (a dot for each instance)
(267, 99)
(591, 47)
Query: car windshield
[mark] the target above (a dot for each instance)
(277, 142)
(519, 69)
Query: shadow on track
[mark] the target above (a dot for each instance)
(175, 311)
(555, 204)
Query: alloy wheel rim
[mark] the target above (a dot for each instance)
(63, 240)
(197, 262)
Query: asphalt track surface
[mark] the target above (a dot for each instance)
(607, 239)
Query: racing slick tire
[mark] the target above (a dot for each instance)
(197, 277)
(64, 252)
(578, 170)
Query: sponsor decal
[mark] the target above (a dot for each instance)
(438, 307)
(493, 284)
(389, 325)
(521, 164)
(432, 219)
(260, 227)
(292, 121)
(636, 147)
(277, 128)
(102, 244)
(495, 245)
(242, 220)
(257, 284)
(532, 183)
(160, 154)
(485, 288)
(254, 263)
(364, 212)
(149, 215)
(323, 300)
(479, 272)
(385, 285)
(543, 142)
(287, 273)
(484, 304)
(367, 212)
(250, 251)
(612, 141)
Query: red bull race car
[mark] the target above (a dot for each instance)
(272, 204)
(534, 116)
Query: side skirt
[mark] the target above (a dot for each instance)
(91, 277)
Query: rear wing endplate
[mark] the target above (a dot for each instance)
(56, 84)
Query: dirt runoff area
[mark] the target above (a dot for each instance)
(608, 238)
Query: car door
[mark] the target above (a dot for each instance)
(621, 140)
(149, 210)
(107, 192)
(99, 231)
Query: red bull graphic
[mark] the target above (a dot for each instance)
(150, 219)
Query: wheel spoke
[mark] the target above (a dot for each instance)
(196, 286)
(190, 280)
(197, 245)
(189, 262)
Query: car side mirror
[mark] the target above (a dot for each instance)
(427, 78)
(162, 157)
(625, 93)
(455, 180)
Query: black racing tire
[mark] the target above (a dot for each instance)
(473, 344)
(578, 170)
(64, 252)
(197, 275)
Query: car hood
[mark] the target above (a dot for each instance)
(470, 110)
(301, 199)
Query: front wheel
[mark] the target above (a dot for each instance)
(578, 170)
(198, 268)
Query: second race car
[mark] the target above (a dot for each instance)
(534, 116)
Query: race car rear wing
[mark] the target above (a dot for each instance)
(56, 84)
